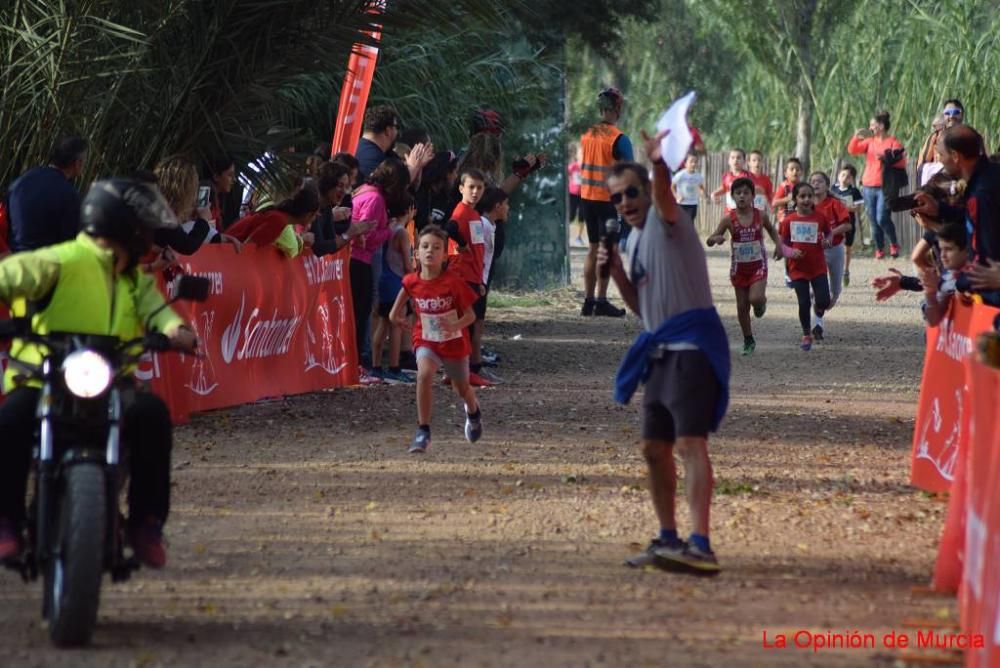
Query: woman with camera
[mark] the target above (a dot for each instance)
(880, 150)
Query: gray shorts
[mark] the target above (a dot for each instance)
(457, 368)
(680, 396)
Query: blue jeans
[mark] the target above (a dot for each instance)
(880, 216)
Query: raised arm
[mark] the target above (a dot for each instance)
(663, 196)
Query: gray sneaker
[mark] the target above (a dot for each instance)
(689, 559)
(651, 555)
(473, 428)
(490, 376)
(420, 443)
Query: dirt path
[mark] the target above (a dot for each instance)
(303, 534)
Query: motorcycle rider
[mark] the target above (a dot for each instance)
(91, 285)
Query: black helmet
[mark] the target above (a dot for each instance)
(610, 99)
(126, 211)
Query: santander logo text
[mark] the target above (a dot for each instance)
(260, 337)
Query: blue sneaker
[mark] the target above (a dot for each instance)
(420, 443)
(651, 555)
(474, 428)
(398, 378)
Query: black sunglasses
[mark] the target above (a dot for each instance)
(632, 192)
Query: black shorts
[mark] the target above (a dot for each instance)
(479, 308)
(692, 211)
(595, 215)
(849, 235)
(680, 395)
(574, 207)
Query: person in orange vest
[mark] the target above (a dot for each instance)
(603, 146)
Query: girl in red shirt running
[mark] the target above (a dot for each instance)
(748, 271)
(840, 221)
(443, 304)
(804, 235)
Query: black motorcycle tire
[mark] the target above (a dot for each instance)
(73, 575)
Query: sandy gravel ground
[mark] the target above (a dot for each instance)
(303, 534)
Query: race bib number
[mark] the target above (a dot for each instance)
(805, 233)
(476, 234)
(760, 202)
(432, 330)
(746, 251)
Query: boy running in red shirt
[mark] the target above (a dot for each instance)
(467, 259)
(737, 170)
(748, 271)
(764, 189)
(782, 203)
(442, 301)
(804, 235)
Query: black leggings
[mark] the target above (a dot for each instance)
(361, 293)
(146, 432)
(821, 289)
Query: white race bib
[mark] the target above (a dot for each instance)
(431, 330)
(760, 202)
(476, 232)
(746, 251)
(805, 233)
(689, 191)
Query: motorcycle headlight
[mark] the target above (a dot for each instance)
(87, 374)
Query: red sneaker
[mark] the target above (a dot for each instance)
(893, 251)
(879, 254)
(478, 381)
(11, 543)
(146, 539)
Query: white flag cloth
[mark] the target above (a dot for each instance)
(675, 145)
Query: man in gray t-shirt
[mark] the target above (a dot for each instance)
(662, 276)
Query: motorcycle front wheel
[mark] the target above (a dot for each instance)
(73, 574)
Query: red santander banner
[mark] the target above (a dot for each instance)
(944, 411)
(355, 90)
(271, 326)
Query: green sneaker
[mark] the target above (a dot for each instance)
(749, 347)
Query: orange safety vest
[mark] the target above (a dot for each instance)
(598, 157)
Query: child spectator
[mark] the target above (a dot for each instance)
(466, 229)
(850, 197)
(443, 303)
(763, 187)
(953, 243)
(737, 170)
(493, 207)
(804, 235)
(748, 270)
(397, 262)
(689, 186)
(573, 185)
(281, 225)
(434, 196)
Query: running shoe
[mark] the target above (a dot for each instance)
(366, 377)
(788, 280)
(11, 543)
(608, 310)
(486, 374)
(398, 378)
(588, 307)
(759, 309)
(420, 443)
(847, 278)
(651, 555)
(474, 428)
(477, 381)
(879, 254)
(490, 357)
(893, 251)
(807, 343)
(749, 347)
(690, 559)
(146, 539)
(817, 333)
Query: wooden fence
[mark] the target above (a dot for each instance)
(714, 165)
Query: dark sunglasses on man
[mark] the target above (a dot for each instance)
(952, 112)
(631, 192)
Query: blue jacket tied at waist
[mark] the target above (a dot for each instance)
(700, 327)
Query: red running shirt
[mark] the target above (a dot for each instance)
(469, 264)
(806, 233)
(763, 191)
(727, 183)
(442, 299)
(836, 213)
(784, 190)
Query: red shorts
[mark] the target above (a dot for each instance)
(749, 273)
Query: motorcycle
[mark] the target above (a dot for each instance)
(75, 529)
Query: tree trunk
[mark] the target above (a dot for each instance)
(803, 134)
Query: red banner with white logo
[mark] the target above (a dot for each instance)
(354, 93)
(942, 427)
(271, 326)
(980, 593)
